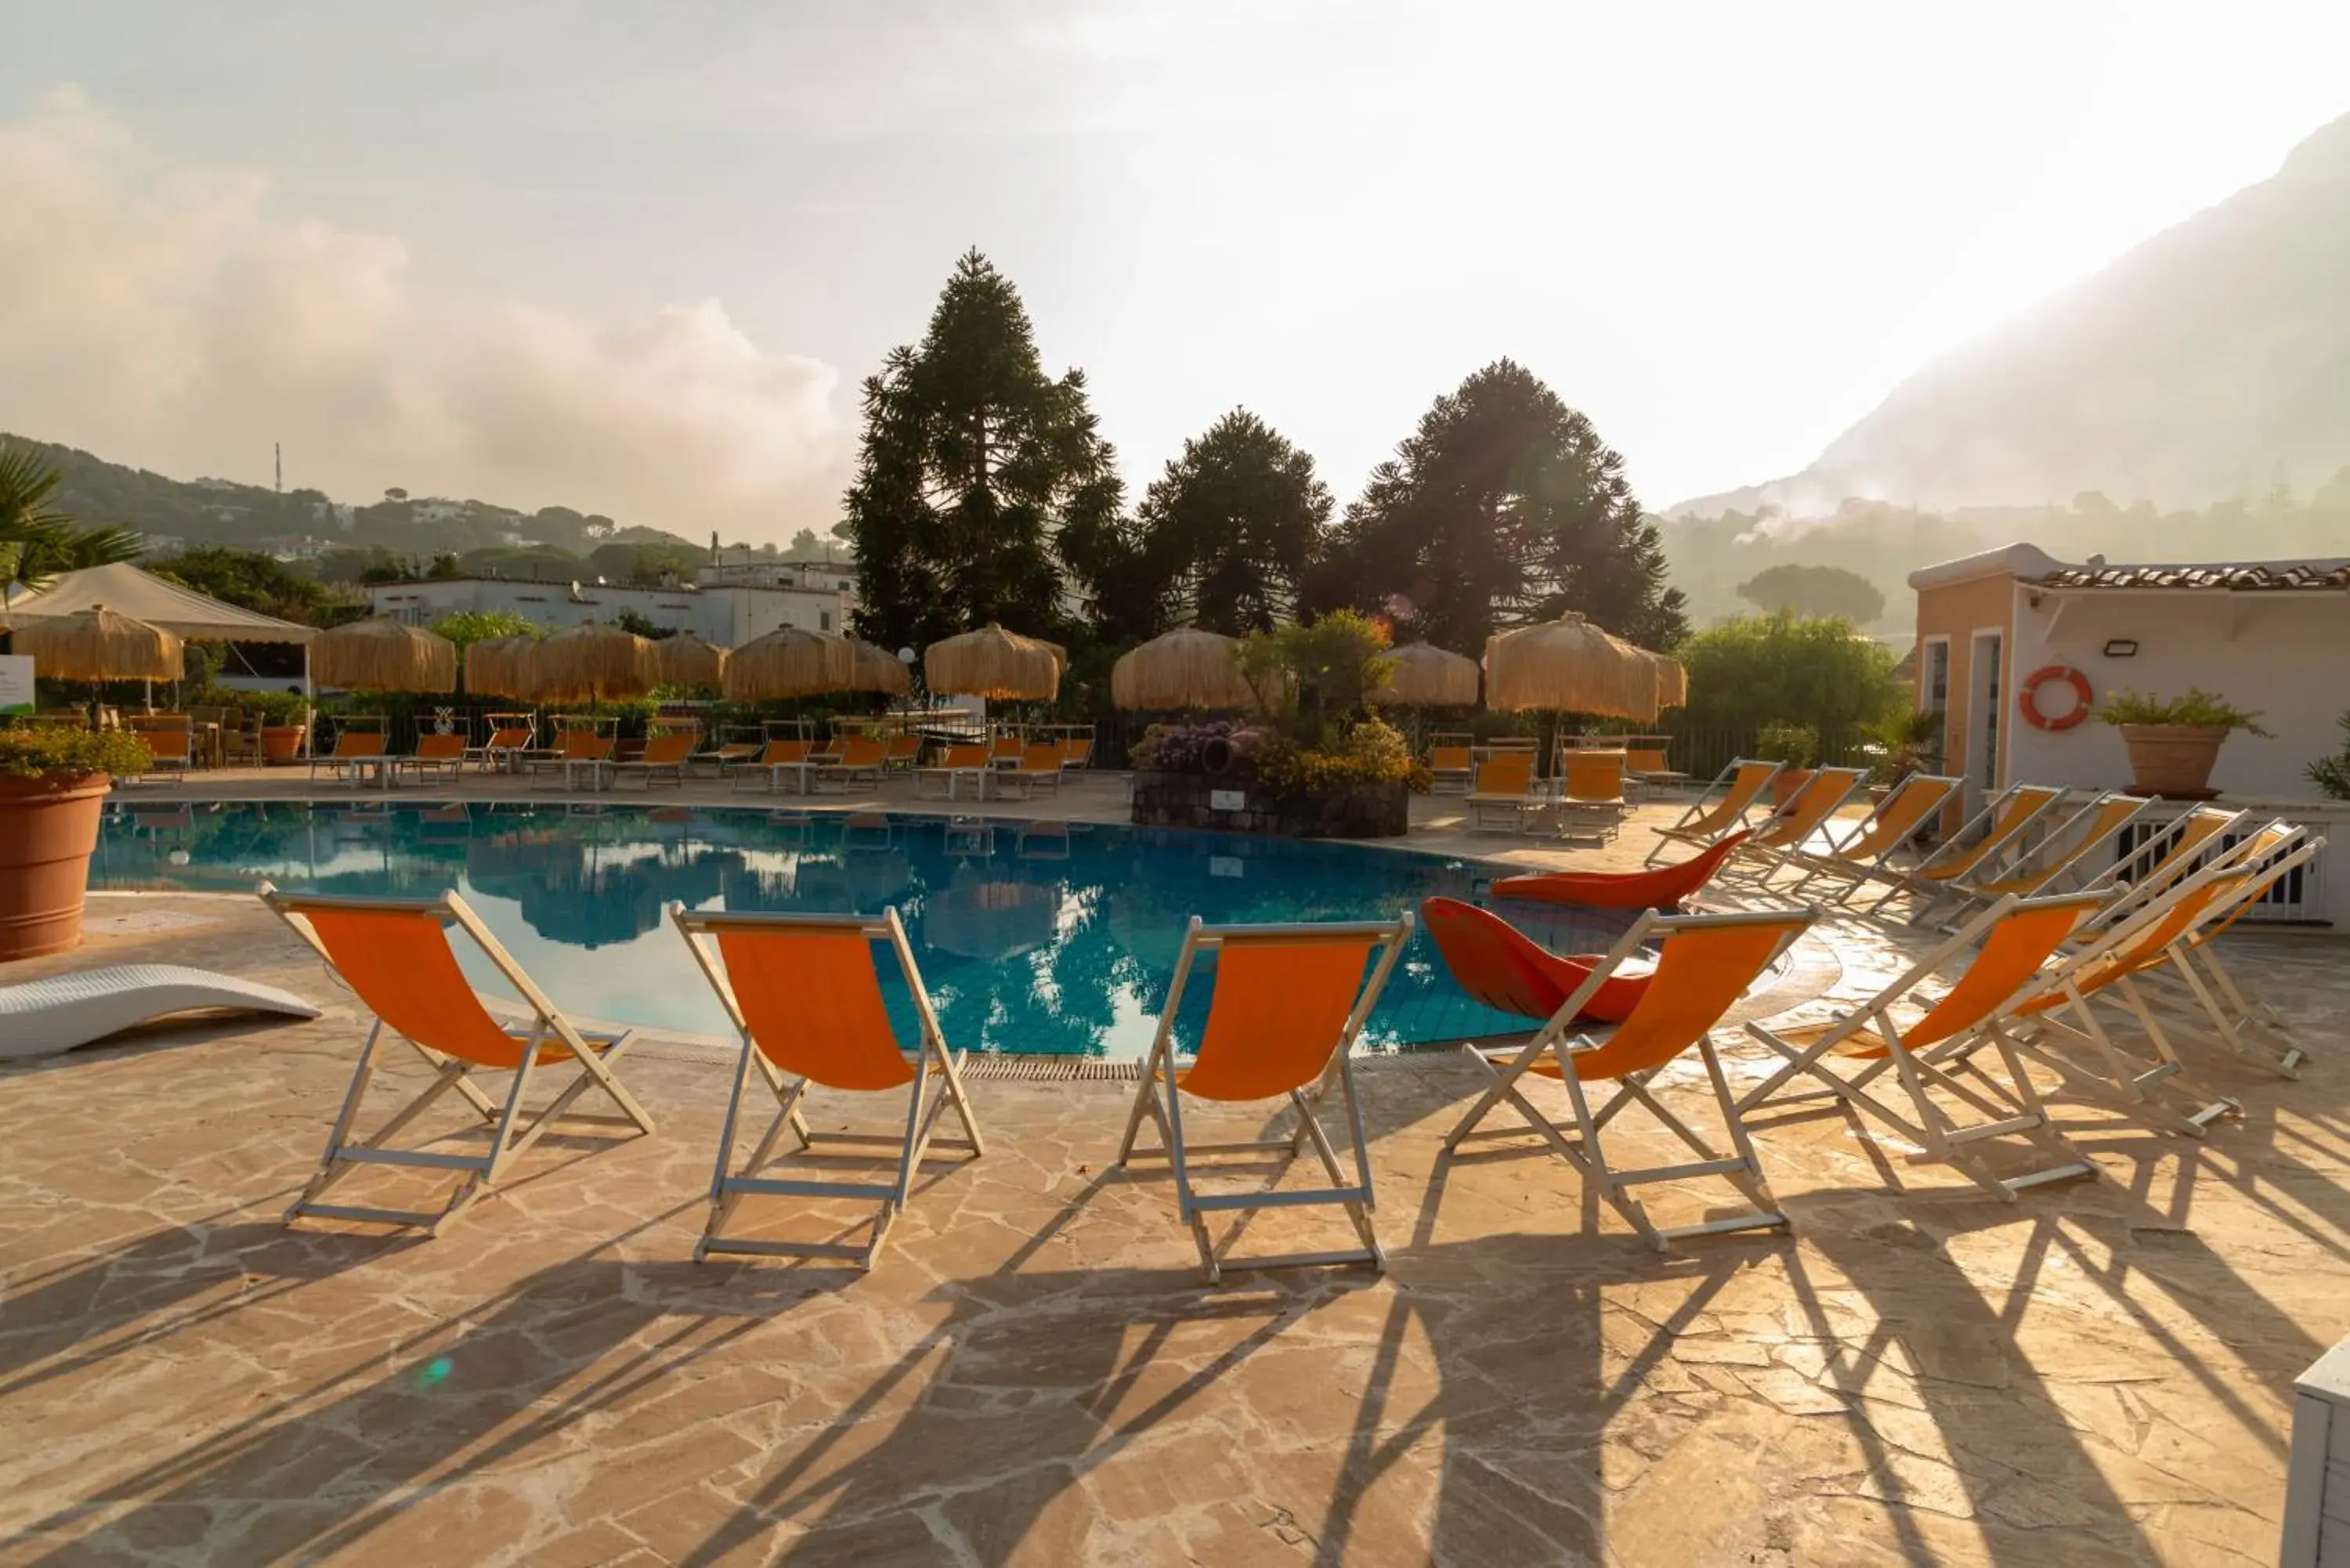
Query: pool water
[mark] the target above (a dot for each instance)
(1029, 939)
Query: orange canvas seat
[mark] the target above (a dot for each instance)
(396, 956)
(434, 753)
(1287, 1004)
(1900, 1031)
(903, 752)
(2174, 852)
(1732, 797)
(858, 758)
(1500, 793)
(2250, 1026)
(665, 756)
(1039, 768)
(1790, 828)
(1500, 967)
(1665, 887)
(766, 770)
(1704, 964)
(803, 992)
(354, 752)
(1982, 840)
(1452, 766)
(1077, 753)
(509, 739)
(2068, 849)
(1865, 854)
(960, 760)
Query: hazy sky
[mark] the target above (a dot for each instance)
(635, 258)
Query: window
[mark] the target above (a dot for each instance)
(823, 620)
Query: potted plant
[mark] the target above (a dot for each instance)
(53, 787)
(285, 717)
(1796, 747)
(2173, 742)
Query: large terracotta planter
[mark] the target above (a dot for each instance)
(282, 744)
(2173, 761)
(47, 828)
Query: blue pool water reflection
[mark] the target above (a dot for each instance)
(1029, 939)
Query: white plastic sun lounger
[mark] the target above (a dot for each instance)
(43, 1017)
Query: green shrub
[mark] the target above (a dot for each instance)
(1370, 753)
(2332, 774)
(53, 752)
(1796, 746)
(2198, 708)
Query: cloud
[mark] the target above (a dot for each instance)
(164, 315)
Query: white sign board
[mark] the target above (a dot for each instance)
(16, 684)
(1227, 800)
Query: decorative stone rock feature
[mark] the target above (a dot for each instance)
(1229, 806)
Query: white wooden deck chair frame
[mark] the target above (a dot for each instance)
(2060, 854)
(511, 1130)
(2195, 985)
(1158, 1100)
(1677, 830)
(932, 1058)
(1506, 1066)
(1942, 1136)
(1930, 892)
(2163, 862)
(1761, 861)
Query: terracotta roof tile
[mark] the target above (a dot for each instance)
(2233, 577)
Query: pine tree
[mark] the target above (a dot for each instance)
(1227, 533)
(1503, 508)
(977, 469)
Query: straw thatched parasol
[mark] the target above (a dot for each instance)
(499, 667)
(1420, 676)
(1186, 668)
(1568, 665)
(876, 668)
(97, 644)
(380, 654)
(788, 662)
(1672, 680)
(590, 662)
(999, 665)
(686, 660)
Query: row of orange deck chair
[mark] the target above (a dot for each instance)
(1286, 1005)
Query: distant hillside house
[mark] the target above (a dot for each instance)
(739, 565)
(724, 615)
(341, 513)
(437, 510)
(298, 549)
(2268, 636)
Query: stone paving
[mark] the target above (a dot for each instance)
(2097, 1374)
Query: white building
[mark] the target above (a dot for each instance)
(741, 567)
(2271, 636)
(437, 510)
(726, 615)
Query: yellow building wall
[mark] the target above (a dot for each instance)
(1958, 612)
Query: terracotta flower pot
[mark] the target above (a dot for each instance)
(1786, 783)
(2173, 761)
(47, 828)
(282, 744)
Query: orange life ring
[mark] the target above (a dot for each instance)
(2027, 697)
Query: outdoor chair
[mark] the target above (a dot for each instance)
(2010, 941)
(1659, 887)
(443, 754)
(1285, 1006)
(509, 739)
(1865, 854)
(1785, 832)
(1005, 750)
(903, 752)
(357, 753)
(582, 749)
(1704, 965)
(859, 758)
(1504, 788)
(803, 993)
(1591, 793)
(665, 756)
(396, 956)
(170, 741)
(2196, 974)
(960, 760)
(767, 769)
(2068, 848)
(1076, 753)
(1452, 766)
(588, 740)
(242, 743)
(1039, 768)
(2171, 852)
(1500, 967)
(1739, 788)
(1982, 840)
(1648, 767)
(729, 754)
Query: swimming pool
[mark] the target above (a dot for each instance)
(1029, 939)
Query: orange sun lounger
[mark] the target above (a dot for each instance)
(1664, 888)
(1704, 964)
(396, 956)
(1287, 1003)
(1503, 968)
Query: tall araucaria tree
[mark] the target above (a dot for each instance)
(982, 480)
(1229, 530)
(1503, 508)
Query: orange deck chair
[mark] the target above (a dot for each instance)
(1981, 841)
(760, 772)
(803, 993)
(1739, 788)
(353, 748)
(1452, 764)
(2188, 844)
(1287, 1004)
(859, 758)
(666, 752)
(961, 759)
(905, 751)
(434, 754)
(1500, 793)
(2016, 936)
(1040, 768)
(510, 738)
(396, 956)
(1591, 791)
(1865, 854)
(2065, 853)
(1785, 832)
(1706, 963)
(1076, 753)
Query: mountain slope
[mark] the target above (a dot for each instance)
(2213, 360)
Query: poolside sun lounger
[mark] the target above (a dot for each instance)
(509, 741)
(443, 754)
(1864, 855)
(665, 756)
(2017, 937)
(1452, 766)
(960, 761)
(1648, 767)
(1591, 793)
(1663, 887)
(803, 993)
(1740, 786)
(1982, 840)
(1500, 967)
(1787, 830)
(171, 743)
(355, 754)
(1287, 1003)
(1504, 788)
(1706, 963)
(2069, 849)
(1040, 768)
(766, 771)
(2172, 853)
(1076, 753)
(43, 1017)
(396, 956)
(858, 759)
